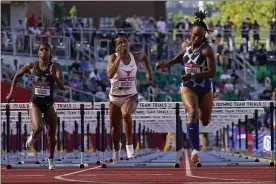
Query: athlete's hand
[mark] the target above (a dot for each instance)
(160, 65)
(121, 51)
(186, 77)
(9, 98)
(53, 70)
(149, 77)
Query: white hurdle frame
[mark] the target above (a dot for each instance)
(26, 106)
(157, 106)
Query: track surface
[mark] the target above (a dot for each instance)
(187, 173)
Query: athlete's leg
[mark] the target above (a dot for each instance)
(205, 108)
(190, 101)
(50, 118)
(36, 118)
(115, 124)
(128, 108)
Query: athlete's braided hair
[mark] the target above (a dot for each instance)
(200, 16)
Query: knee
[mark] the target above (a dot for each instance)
(38, 128)
(192, 115)
(115, 125)
(52, 138)
(126, 115)
(205, 120)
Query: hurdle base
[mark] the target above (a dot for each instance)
(140, 165)
(45, 166)
(234, 164)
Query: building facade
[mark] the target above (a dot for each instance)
(98, 9)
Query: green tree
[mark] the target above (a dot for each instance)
(263, 12)
(59, 10)
(180, 16)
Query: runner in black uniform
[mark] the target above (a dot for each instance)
(44, 75)
(199, 64)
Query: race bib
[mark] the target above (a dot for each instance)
(127, 83)
(42, 90)
(192, 68)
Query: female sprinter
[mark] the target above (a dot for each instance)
(44, 75)
(199, 63)
(121, 70)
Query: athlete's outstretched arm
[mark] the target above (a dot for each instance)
(26, 68)
(177, 59)
(57, 75)
(211, 64)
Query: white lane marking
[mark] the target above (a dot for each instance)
(189, 172)
(8, 175)
(115, 174)
(60, 177)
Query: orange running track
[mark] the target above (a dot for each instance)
(187, 173)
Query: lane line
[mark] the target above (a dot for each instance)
(189, 172)
(60, 177)
(115, 174)
(21, 175)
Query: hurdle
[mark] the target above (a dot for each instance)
(220, 122)
(236, 159)
(62, 106)
(165, 121)
(146, 162)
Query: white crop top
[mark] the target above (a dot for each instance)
(124, 81)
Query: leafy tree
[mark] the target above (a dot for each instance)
(59, 10)
(261, 11)
(180, 16)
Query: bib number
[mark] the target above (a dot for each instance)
(126, 83)
(192, 68)
(42, 90)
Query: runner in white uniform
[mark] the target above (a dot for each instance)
(121, 70)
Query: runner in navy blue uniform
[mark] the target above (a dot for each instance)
(44, 75)
(199, 63)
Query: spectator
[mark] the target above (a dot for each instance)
(47, 33)
(75, 81)
(246, 26)
(135, 21)
(84, 65)
(261, 55)
(95, 75)
(256, 33)
(218, 31)
(100, 94)
(75, 67)
(175, 86)
(19, 33)
(161, 26)
(244, 48)
(118, 23)
(272, 33)
(267, 93)
(92, 85)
